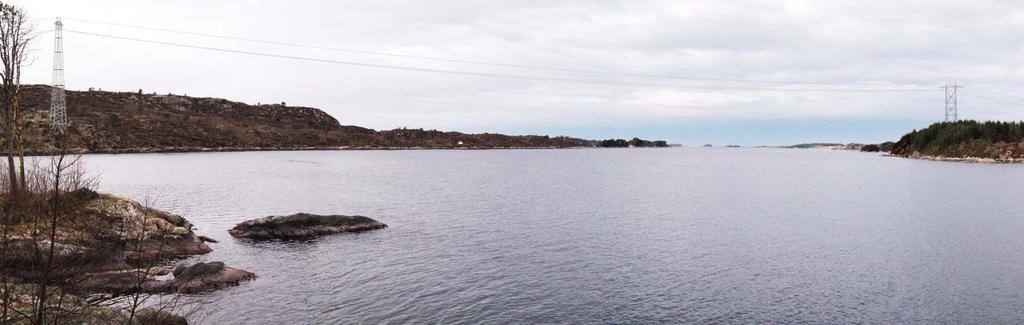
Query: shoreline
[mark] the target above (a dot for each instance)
(970, 160)
(259, 149)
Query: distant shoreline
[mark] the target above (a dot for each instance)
(342, 148)
(972, 160)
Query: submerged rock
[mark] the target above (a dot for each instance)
(302, 226)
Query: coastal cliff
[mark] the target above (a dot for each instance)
(113, 122)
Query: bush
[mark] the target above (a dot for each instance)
(114, 120)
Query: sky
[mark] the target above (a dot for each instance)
(693, 72)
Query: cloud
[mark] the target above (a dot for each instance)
(893, 44)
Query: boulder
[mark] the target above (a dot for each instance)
(302, 226)
(201, 277)
(194, 278)
(149, 316)
(198, 270)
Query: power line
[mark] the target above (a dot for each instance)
(496, 75)
(496, 64)
(992, 94)
(1008, 100)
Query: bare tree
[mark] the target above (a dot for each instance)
(15, 36)
(41, 220)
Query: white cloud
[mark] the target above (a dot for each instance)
(890, 44)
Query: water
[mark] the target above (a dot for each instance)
(603, 236)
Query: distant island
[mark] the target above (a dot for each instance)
(134, 122)
(880, 147)
(634, 143)
(967, 140)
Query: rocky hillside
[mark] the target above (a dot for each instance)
(103, 121)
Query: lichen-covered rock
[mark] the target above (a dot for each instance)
(103, 243)
(124, 218)
(302, 226)
(179, 231)
(148, 233)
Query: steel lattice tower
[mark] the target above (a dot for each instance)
(58, 104)
(951, 101)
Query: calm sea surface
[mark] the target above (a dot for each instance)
(603, 236)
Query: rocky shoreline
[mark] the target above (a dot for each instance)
(114, 247)
(118, 246)
(977, 160)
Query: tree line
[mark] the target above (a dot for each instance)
(968, 138)
(635, 142)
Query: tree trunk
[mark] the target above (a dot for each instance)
(19, 136)
(13, 175)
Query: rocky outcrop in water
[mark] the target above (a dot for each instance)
(202, 277)
(302, 226)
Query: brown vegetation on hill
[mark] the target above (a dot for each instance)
(103, 121)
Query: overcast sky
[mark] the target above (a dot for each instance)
(862, 45)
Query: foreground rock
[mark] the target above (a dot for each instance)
(115, 245)
(158, 317)
(106, 233)
(302, 226)
(199, 277)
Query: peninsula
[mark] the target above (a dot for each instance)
(989, 141)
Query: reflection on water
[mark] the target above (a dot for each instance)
(612, 236)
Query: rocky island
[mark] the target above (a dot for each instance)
(302, 226)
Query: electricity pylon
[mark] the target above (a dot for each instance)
(951, 92)
(58, 104)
